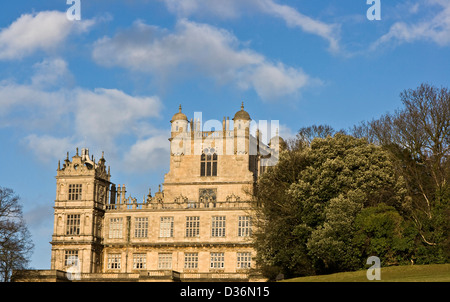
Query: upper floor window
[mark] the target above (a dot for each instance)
(192, 226)
(218, 226)
(208, 162)
(75, 191)
(166, 227)
(141, 227)
(244, 226)
(73, 224)
(115, 228)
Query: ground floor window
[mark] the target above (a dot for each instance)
(70, 257)
(217, 260)
(244, 260)
(139, 261)
(191, 260)
(114, 261)
(164, 260)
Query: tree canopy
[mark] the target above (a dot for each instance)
(334, 199)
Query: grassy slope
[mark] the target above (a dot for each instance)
(412, 273)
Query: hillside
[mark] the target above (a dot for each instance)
(412, 273)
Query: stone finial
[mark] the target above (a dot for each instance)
(242, 106)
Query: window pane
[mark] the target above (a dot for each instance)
(164, 260)
(208, 169)
(214, 171)
(166, 227)
(202, 169)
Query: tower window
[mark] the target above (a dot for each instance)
(208, 164)
(73, 224)
(71, 258)
(75, 191)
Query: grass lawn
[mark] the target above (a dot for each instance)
(410, 273)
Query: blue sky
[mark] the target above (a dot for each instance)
(112, 80)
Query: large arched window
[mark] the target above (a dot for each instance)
(208, 162)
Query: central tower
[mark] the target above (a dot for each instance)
(210, 161)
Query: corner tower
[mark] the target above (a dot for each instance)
(82, 190)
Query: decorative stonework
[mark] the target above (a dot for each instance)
(190, 220)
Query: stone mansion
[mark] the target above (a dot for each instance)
(197, 227)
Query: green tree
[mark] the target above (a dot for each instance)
(381, 231)
(309, 201)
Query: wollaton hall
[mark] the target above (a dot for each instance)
(197, 227)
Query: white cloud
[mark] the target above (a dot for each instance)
(273, 81)
(234, 8)
(198, 49)
(48, 148)
(42, 31)
(147, 154)
(104, 114)
(294, 18)
(28, 107)
(59, 119)
(435, 28)
(50, 73)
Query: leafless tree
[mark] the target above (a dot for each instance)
(418, 135)
(15, 241)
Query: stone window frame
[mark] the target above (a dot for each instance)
(166, 226)
(73, 224)
(217, 260)
(165, 260)
(192, 226)
(74, 192)
(244, 226)
(71, 257)
(115, 228)
(208, 163)
(114, 260)
(243, 260)
(140, 227)
(218, 226)
(139, 261)
(191, 260)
